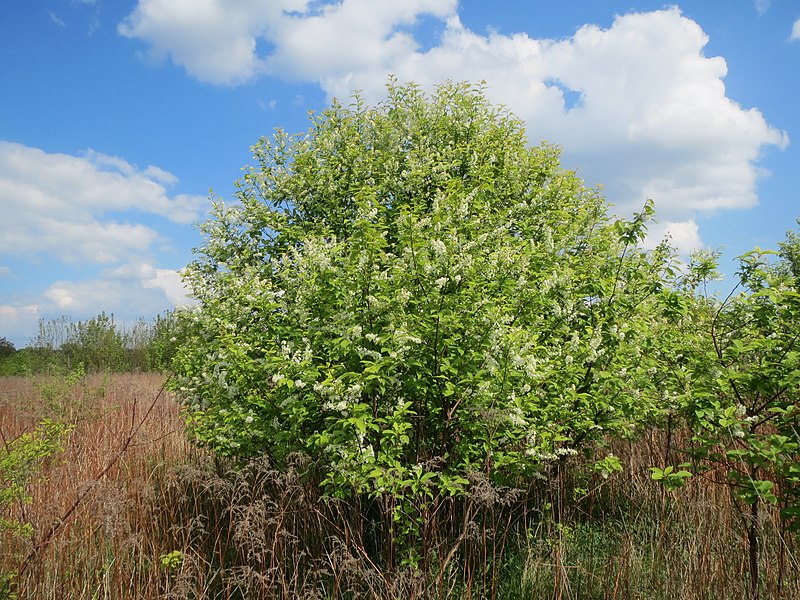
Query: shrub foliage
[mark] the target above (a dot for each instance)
(408, 294)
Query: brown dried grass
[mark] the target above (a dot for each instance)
(106, 545)
(140, 491)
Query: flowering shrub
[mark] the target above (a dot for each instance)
(408, 293)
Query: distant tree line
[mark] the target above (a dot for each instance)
(97, 344)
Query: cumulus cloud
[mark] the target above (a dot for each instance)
(652, 118)
(57, 204)
(17, 322)
(129, 291)
(795, 31)
(684, 235)
(167, 281)
(213, 40)
(309, 47)
(217, 41)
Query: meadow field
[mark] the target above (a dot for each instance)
(129, 508)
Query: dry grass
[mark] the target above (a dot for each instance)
(131, 510)
(629, 538)
(107, 545)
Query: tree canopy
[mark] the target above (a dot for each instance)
(7, 348)
(410, 292)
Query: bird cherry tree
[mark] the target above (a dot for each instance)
(409, 294)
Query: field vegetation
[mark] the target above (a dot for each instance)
(128, 508)
(424, 362)
(98, 344)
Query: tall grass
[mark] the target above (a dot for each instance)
(632, 539)
(130, 509)
(91, 505)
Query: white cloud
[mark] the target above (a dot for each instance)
(213, 40)
(682, 234)
(168, 281)
(216, 41)
(17, 322)
(795, 31)
(129, 291)
(762, 6)
(310, 47)
(653, 118)
(4, 271)
(54, 18)
(171, 284)
(56, 204)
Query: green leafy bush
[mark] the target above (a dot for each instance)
(409, 293)
(20, 462)
(740, 375)
(731, 372)
(99, 344)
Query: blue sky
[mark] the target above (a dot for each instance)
(117, 118)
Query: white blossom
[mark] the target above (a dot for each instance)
(515, 417)
(439, 248)
(566, 451)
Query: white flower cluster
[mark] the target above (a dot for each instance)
(564, 451)
(296, 356)
(465, 203)
(595, 351)
(317, 254)
(370, 214)
(439, 249)
(464, 262)
(403, 337)
(525, 360)
(515, 417)
(341, 406)
(619, 332)
(530, 444)
(366, 352)
(375, 304)
(338, 399)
